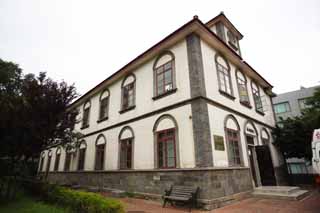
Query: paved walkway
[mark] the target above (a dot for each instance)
(310, 204)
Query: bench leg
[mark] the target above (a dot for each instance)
(164, 203)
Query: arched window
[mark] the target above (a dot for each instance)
(164, 74)
(251, 133)
(67, 162)
(128, 93)
(100, 152)
(104, 105)
(126, 138)
(243, 90)
(86, 114)
(265, 136)
(256, 97)
(82, 155)
(223, 72)
(41, 161)
(49, 160)
(57, 161)
(166, 142)
(232, 133)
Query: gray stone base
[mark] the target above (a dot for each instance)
(217, 186)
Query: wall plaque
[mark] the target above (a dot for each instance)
(218, 142)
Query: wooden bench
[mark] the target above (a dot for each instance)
(185, 194)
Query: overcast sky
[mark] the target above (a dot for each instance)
(84, 42)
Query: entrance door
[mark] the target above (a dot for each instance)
(265, 166)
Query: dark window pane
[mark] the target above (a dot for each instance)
(164, 78)
(100, 157)
(160, 155)
(85, 121)
(168, 65)
(82, 153)
(48, 163)
(166, 149)
(57, 162)
(67, 162)
(234, 150)
(126, 154)
(103, 108)
(41, 164)
(160, 69)
(128, 96)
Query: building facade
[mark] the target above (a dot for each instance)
(290, 105)
(188, 111)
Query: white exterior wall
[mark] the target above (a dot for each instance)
(220, 158)
(217, 115)
(144, 93)
(212, 88)
(143, 147)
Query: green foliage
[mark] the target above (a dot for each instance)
(34, 114)
(29, 205)
(77, 201)
(295, 134)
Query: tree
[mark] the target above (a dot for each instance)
(295, 135)
(34, 114)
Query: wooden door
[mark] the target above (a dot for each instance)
(265, 166)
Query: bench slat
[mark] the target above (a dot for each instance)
(181, 193)
(183, 189)
(176, 198)
(180, 189)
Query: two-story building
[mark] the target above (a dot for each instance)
(187, 111)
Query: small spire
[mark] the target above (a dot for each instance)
(195, 17)
(222, 13)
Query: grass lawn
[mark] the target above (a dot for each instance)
(29, 205)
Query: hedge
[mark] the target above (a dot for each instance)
(77, 201)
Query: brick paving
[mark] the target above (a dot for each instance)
(310, 204)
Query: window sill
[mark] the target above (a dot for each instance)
(164, 94)
(167, 168)
(126, 169)
(84, 127)
(259, 112)
(127, 109)
(227, 95)
(102, 119)
(246, 105)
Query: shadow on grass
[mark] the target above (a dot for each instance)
(27, 204)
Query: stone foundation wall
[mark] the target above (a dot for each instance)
(216, 185)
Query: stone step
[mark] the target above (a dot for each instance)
(284, 193)
(277, 189)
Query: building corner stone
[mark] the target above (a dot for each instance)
(199, 107)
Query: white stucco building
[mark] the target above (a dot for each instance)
(189, 110)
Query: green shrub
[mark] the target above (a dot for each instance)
(78, 201)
